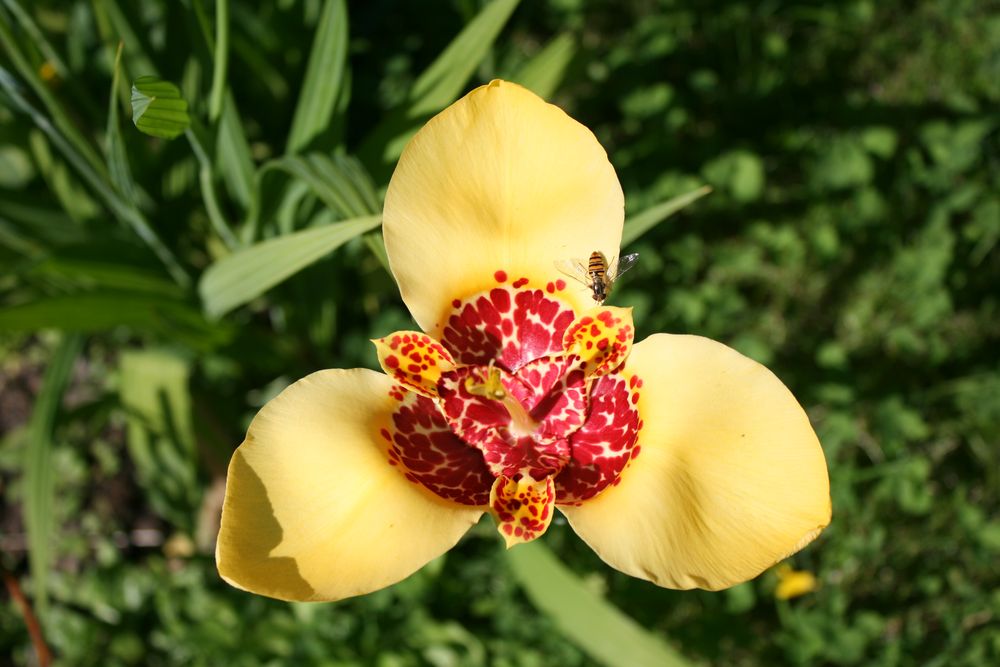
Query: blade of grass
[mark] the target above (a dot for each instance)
(640, 223)
(115, 26)
(599, 628)
(121, 175)
(39, 475)
(324, 75)
(362, 181)
(74, 198)
(441, 83)
(221, 59)
(545, 71)
(37, 38)
(205, 175)
(55, 110)
(376, 243)
(233, 152)
(329, 181)
(236, 279)
(231, 146)
(438, 86)
(127, 212)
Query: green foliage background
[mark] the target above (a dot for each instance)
(850, 243)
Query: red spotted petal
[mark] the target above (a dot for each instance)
(511, 325)
(522, 508)
(604, 445)
(424, 446)
(601, 339)
(414, 360)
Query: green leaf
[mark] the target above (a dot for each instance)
(639, 224)
(438, 86)
(39, 475)
(605, 633)
(92, 274)
(545, 71)
(220, 60)
(125, 211)
(341, 183)
(248, 273)
(104, 309)
(233, 152)
(158, 108)
(324, 76)
(16, 169)
(441, 83)
(154, 392)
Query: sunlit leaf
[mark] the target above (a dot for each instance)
(584, 617)
(323, 79)
(154, 391)
(233, 153)
(640, 223)
(439, 85)
(248, 273)
(158, 108)
(39, 473)
(545, 71)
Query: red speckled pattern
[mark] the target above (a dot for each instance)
(522, 508)
(414, 360)
(523, 404)
(510, 325)
(602, 448)
(602, 339)
(429, 453)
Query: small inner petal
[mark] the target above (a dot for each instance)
(414, 360)
(428, 452)
(510, 325)
(601, 339)
(603, 447)
(522, 507)
(523, 427)
(555, 393)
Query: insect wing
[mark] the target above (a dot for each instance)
(622, 264)
(575, 269)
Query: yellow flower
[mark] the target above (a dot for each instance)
(793, 583)
(676, 459)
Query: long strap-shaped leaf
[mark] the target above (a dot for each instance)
(591, 622)
(324, 76)
(437, 87)
(39, 476)
(640, 223)
(545, 71)
(248, 273)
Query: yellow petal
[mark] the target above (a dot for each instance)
(793, 583)
(730, 477)
(314, 511)
(500, 181)
(414, 360)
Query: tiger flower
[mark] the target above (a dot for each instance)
(677, 459)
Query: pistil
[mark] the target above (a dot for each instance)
(521, 423)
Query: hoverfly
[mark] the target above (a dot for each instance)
(597, 273)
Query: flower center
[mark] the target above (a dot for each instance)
(522, 405)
